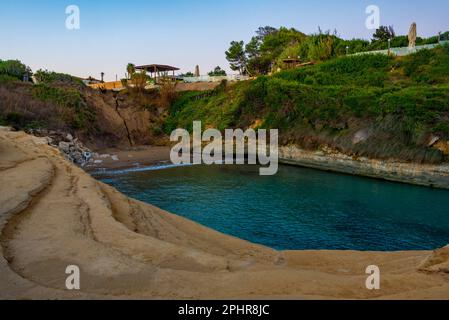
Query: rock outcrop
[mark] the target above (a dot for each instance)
(71, 148)
(420, 174)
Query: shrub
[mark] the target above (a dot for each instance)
(5, 78)
(47, 77)
(367, 70)
(77, 113)
(165, 96)
(328, 102)
(140, 80)
(442, 128)
(428, 66)
(14, 69)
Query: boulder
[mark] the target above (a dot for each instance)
(432, 140)
(361, 136)
(64, 147)
(78, 157)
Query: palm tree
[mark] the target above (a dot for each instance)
(131, 68)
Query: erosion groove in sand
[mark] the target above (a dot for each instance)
(53, 215)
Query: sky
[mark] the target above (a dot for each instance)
(182, 33)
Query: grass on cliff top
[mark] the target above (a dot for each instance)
(400, 101)
(74, 110)
(25, 106)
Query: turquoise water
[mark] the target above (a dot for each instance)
(298, 208)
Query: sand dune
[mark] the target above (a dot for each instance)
(53, 214)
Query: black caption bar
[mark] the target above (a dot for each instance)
(197, 310)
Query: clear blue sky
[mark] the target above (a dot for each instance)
(182, 32)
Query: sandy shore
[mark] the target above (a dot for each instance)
(53, 214)
(132, 158)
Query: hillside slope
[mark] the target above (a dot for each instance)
(100, 119)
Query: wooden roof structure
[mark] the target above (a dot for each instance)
(291, 60)
(156, 68)
(158, 71)
(291, 63)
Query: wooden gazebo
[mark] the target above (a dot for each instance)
(158, 71)
(291, 63)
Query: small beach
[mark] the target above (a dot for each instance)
(113, 158)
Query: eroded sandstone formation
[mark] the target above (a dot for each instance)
(330, 160)
(53, 214)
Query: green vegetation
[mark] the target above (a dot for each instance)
(88, 114)
(265, 52)
(13, 70)
(4, 78)
(130, 69)
(399, 101)
(16, 119)
(140, 80)
(188, 74)
(265, 47)
(75, 111)
(48, 77)
(217, 72)
(236, 56)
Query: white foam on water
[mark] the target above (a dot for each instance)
(139, 169)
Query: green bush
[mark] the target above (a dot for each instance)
(68, 98)
(19, 121)
(442, 128)
(14, 69)
(367, 70)
(5, 78)
(427, 66)
(326, 103)
(48, 77)
(64, 97)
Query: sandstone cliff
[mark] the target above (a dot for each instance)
(53, 214)
(329, 160)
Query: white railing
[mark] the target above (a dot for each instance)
(402, 51)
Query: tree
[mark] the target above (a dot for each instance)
(188, 74)
(258, 56)
(237, 57)
(253, 48)
(217, 72)
(13, 68)
(131, 69)
(384, 33)
(273, 44)
(140, 80)
(263, 32)
(322, 49)
(45, 76)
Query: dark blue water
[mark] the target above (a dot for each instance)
(298, 208)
